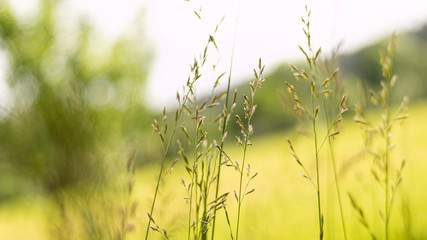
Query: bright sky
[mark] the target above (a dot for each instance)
(269, 29)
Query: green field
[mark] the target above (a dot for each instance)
(284, 203)
(79, 160)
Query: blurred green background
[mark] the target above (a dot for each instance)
(77, 115)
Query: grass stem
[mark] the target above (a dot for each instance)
(224, 126)
(317, 174)
(335, 172)
(240, 190)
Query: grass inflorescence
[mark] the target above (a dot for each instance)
(324, 103)
(247, 131)
(381, 133)
(202, 150)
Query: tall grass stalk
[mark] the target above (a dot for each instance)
(313, 114)
(333, 116)
(247, 131)
(387, 158)
(224, 126)
(162, 131)
(382, 160)
(316, 149)
(337, 185)
(166, 145)
(203, 167)
(319, 92)
(390, 81)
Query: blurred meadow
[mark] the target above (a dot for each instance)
(328, 145)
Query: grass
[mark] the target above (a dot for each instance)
(323, 104)
(187, 204)
(383, 161)
(247, 131)
(284, 206)
(204, 156)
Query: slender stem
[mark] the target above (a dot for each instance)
(204, 217)
(317, 171)
(166, 150)
(165, 153)
(189, 212)
(386, 189)
(337, 186)
(387, 160)
(240, 188)
(191, 204)
(205, 186)
(224, 123)
(222, 145)
(194, 176)
(335, 173)
(387, 154)
(248, 134)
(318, 180)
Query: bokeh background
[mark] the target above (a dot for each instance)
(82, 81)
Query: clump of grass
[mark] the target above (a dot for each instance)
(382, 159)
(161, 130)
(203, 154)
(321, 89)
(200, 163)
(188, 104)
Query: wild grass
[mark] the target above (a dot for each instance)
(200, 206)
(202, 153)
(264, 217)
(322, 91)
(224, 126)
(381, 132)
(247, 131)
(201, 150)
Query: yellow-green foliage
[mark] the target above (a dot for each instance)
(284, 202)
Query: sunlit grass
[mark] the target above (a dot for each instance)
(283, 205)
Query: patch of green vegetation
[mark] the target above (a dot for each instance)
(285, 203)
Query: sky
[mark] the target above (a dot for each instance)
(268, 29)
